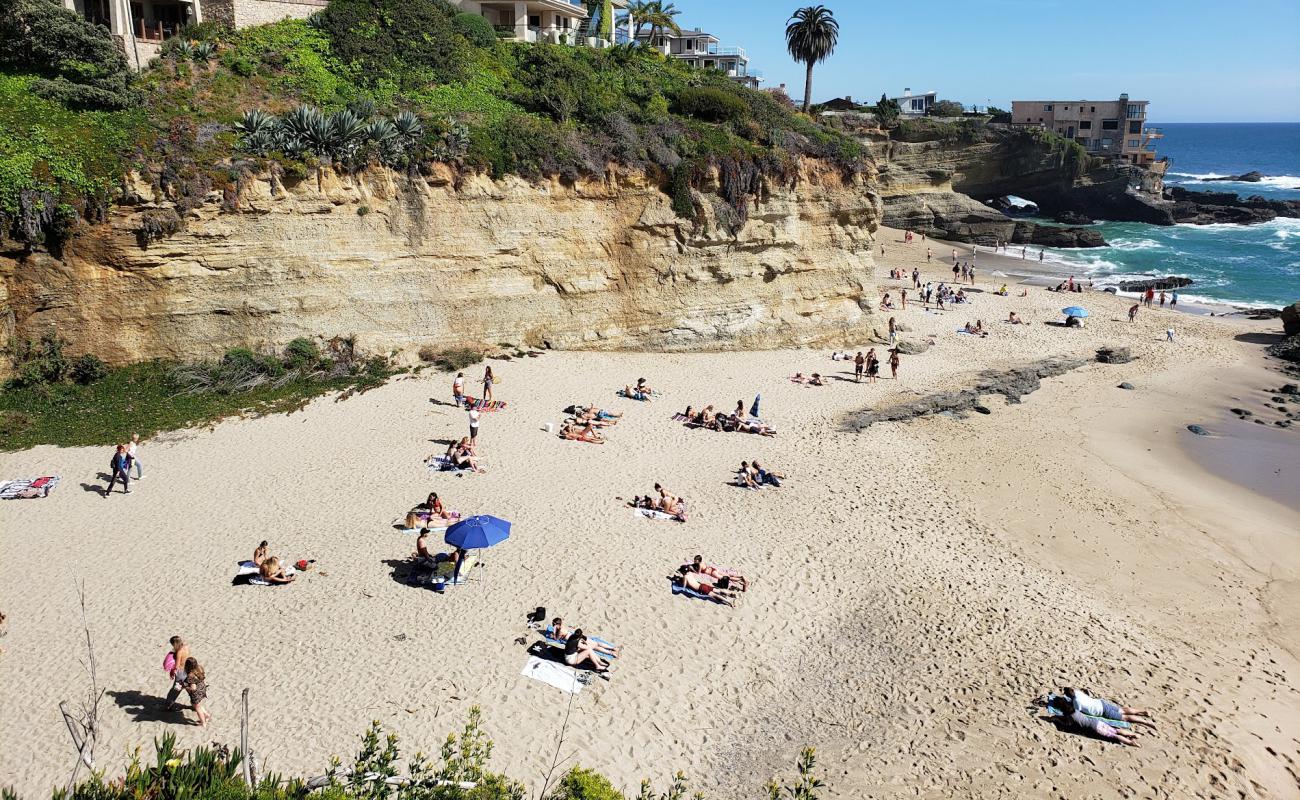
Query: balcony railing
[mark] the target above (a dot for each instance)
(155, 31)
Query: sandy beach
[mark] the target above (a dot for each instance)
(916, 585)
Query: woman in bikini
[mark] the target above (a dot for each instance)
(487, 383)
(733, 577)
(560, 633)
(260, 553)
(196, 686)
(894, 361)
(873, 365)
(696, 582)
(272, 572)
(577, 651)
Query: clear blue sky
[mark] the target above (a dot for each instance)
(1195, 60)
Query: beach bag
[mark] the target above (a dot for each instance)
(538, 616)
(169, 662)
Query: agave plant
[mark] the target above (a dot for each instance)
(259, 132)
(304, 130)
(408, 126)
(453, 144)
(347, 135)
(183, 49)
(203, 51)
(364, 108)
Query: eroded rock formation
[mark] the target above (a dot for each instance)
(450, 259)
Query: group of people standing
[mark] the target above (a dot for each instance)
(125, 458)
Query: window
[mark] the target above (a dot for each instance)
(1092, 109)
(1047, 107)
(1106, 143)
(1136, 112)
(1067, 108)
(1110, 124)
(1134, 144)
(690, 44)
(918, 104)
(1135, 126)
(534, 20)
(1085, 124)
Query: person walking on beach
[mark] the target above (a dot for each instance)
(893, 363)
(927, 257)
(957, 271)
(1148, 297)
(954, 256)
(902, 296)
(893, 330)
(1169, 334)
(1133, 312)
(174, 664)
(1040, 256)
(487, 384)
(1173, 299)
(1022, 253)
(1162, 298)
(133, 454)
(858, 363)
(971, 274)
(474, 415)
(458, 389)
(916, 277)
(196, 686)
(119, 468)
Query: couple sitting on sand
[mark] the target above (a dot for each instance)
(641, 391)
(737, 421)
(977, 329)
(1099, 717)
(754, 476)
(714, 582)
(814, 380)
(578, 649)
(430, 513)
(461, 455)
(666, 502)
(268, 566)
(446, 567)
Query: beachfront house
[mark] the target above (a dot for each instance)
(915, 105)
(1106, 128)
(556, 21)
(704, 51)
(140, 26)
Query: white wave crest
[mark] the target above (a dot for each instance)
(1135, 244)
(1274, 181)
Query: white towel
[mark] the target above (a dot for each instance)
(561, 676)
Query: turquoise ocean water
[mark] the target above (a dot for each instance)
(1255, 265)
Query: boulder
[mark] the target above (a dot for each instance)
(1055, 236)
(1170, 282)
(1291, 319)
(911, 348)
(1127, 386)
(1068, 217)
(1289, 388)
(1114, 355)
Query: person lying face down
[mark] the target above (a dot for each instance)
(719, 589)
(558, 632)
(723, 578)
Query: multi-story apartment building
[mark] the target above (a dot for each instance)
(140, 26)
(1109, 128)
(705, 51)
(554, 21)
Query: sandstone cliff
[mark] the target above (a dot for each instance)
(450, 259)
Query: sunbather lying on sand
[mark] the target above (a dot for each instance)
(558, 632)
(719, 574)
(578, 651)
(702, 584)
(1015, 319)
(768, 476)
(1096, 716)
(816, 380)
(581, 433)
(597, 417)
(754, 426)
(429, 511)
(637, 392)
(976, 329)
(272, 572)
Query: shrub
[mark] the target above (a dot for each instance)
(476, 30)
(79, 64)
(710, 104)
(409, 41)
(38, 362)
(87, 369)
(584, 784)
(451, 360)
(679, 189)
(301, 353)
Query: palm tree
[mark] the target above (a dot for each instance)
(810, 35)
(658, 15)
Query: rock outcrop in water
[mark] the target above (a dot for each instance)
(449, 259)
(1208, 208)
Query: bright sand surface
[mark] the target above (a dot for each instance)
(916, 585)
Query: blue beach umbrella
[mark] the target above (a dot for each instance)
(753, 410)
(1075, 311)
(477, 532)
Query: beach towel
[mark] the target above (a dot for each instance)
(652, 513)
(439, 525)
(799, 379)
(444, 464)
(28, 488)
(481, 405)
(644, 399)
(679, 417)
(443, 572)
(549, 636)
(561, 676)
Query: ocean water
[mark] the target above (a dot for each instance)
(1248, 265)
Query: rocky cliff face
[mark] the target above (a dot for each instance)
(450, 259)
(939, 187)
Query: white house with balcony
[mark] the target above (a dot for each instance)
(704, 51)
(554, 21)
(915, 105)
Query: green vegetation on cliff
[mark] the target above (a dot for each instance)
(482, 104)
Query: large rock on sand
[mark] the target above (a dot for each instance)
(1291, 319)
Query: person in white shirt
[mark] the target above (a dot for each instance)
(474, 415)
(133, 452)
(458, 388)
